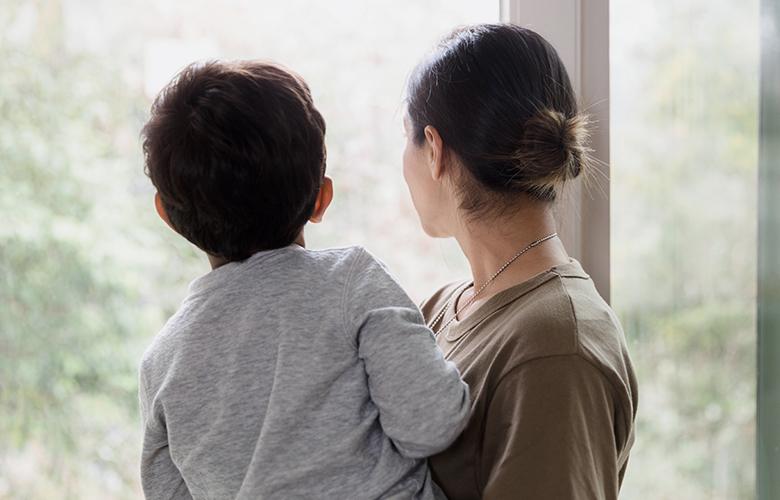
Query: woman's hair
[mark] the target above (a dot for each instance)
(501, 99)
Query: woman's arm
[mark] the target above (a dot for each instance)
(549, 433)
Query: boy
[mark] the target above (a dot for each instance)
(285, 373)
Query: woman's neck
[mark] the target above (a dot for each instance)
(489, 243)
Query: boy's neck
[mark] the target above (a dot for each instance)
(220, 261)
(216, 261)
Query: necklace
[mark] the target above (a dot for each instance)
(490, 280)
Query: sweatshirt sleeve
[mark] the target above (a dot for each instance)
(160, 478)
(423, 403)
(549, 433)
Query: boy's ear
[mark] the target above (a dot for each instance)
(324, 197)
(158, 204)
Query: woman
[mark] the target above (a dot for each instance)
(493, 134)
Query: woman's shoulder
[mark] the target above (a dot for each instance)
(431, 306)
(566, 318)
(562, 314)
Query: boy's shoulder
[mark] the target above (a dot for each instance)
(336, 255)
(348, 261)
(161, 351)
(330, 272)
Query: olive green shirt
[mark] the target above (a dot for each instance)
(554, 395)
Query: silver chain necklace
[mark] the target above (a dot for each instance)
(449, 304)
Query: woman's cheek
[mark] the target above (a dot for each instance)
(411, 170)
(411, 175)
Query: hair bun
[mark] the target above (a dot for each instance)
(552, 150)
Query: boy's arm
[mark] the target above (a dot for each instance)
(160, 477)
(423, 403)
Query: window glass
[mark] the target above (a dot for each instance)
(684, 115)
(88, 274)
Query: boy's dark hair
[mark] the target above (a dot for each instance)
(237, 154)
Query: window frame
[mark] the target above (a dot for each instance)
(768, 272)
(581, 37)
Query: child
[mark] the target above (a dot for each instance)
(285, 373)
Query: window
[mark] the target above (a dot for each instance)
(684, 142)
(680, 139)
(87, 272)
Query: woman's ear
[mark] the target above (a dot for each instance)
(435, 153)
(158, 204)
(324, 197)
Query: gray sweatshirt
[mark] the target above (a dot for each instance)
(296, 374)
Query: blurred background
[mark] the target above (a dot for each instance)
(88, 274)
